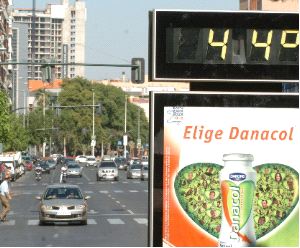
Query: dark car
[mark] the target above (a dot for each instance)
(45, 167)
(121, 163)
(51, 163)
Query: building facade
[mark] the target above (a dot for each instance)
(19, 73)
(56, 34)
(276, 6)
(5, 43)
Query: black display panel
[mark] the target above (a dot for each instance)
(250, 46)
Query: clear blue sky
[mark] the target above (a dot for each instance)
(117, 30)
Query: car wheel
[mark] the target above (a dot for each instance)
(98, 179)
(83, 222)
(116, 178)
(142, 178)
(42, 223)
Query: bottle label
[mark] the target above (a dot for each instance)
(237, 208)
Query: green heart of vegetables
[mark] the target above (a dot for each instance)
(197, 188)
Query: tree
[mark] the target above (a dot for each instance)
(76, 124)
(4, 117)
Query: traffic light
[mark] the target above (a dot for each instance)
(48, 73)
(138, 72)
(98, 109)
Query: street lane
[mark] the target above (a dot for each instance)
(117, 213)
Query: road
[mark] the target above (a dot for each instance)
(117, 216)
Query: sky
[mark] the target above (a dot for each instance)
(117, 30)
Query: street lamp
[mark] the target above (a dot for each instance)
(93, 143)
(125, 131)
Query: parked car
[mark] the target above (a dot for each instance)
(80, 159)
(63, 203)
(107, 170)
(121, 163)
(144, 172)
(74, 169)
(91, 160)
(134, 170)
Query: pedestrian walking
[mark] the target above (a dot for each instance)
(5, 197)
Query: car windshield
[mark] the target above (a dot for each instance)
(62, 193)
(26, 158)
(91, 159)
(51, 161)
(71, 166)
(136, 166)
(107, 164)
(145, 168)
(120, 161)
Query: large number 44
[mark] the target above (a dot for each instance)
(267, 44)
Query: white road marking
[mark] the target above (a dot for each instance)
(92, 211)
(141, 221)
(91, 222)
(103, 191)
(133, 191)
(8, 223)
(33, 222)
(115, 221)
(89, 192)
(56, 235)
(130, 211)
(118, 202)
(118, 191)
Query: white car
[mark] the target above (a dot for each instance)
(81, 159)
(91, 160)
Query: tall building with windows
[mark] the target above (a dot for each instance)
(5, 43)
(56, 34)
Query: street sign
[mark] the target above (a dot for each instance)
(125, 140)
(221, 46)
(93, 143)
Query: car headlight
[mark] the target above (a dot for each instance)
(45, 207)
(81, 206)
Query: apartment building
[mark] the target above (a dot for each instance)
(56, 34)
(5, 42)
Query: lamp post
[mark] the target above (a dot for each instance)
(93, 143)
(125, 131)
(44, 119)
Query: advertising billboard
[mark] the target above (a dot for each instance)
(224, 169)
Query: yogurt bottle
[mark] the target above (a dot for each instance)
(237, 180)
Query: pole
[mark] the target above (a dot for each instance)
(139, 131)
(65, 149)
(44, 119)
(125, 131)
(24, 110)
(93, 135)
